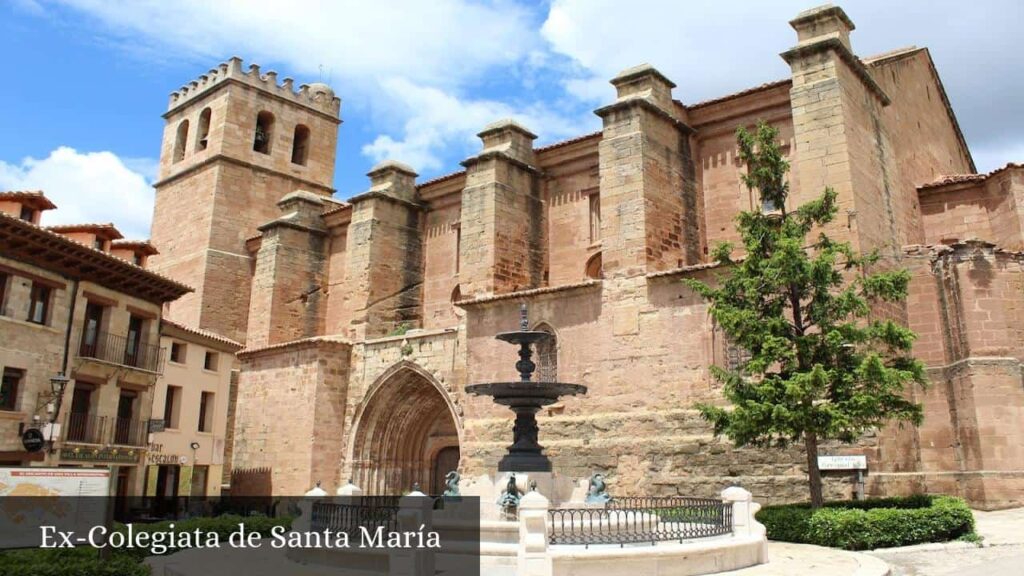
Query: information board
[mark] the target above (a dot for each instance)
(72, 498)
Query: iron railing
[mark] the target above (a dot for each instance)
(116, 349)
(89, 429)
(130, 432)
(369, 512)
(85, 428)
(647, 520)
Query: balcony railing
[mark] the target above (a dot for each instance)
(130, 432)
(85, 428)
(116, 349)
(90, 429)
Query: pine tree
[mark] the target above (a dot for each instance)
(823, 365)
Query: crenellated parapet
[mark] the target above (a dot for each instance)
(318, 96)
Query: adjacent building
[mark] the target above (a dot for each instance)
(186, 452)
(79, 342)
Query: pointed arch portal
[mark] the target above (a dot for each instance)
(405, 433)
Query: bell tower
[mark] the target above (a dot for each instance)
(234, 143)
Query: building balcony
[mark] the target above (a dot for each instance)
(85, 428)
(130, 432)
(118, 350)
(90, 429)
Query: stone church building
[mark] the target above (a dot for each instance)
(363, 320)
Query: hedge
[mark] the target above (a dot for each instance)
(85, 561)
(869, 524)
(69, 562)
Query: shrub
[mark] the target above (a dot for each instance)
(223, 526)
(867, 524)
(68, 562)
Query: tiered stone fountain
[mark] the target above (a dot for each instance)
(525, 459)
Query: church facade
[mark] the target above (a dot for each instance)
(363, 320)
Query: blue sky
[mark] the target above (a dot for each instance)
(88, 79)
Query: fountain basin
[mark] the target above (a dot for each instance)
(526, 393)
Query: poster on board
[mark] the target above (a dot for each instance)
(68, 498)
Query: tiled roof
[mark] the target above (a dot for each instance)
(890, 55)
(48, 249)
(140, 245)
(950, 179)
(295, 344)
(441, 178)
(332, 210)
(574, 140)
(755, 89)
(204, 333)
(108, 228)
(526, 293)
(36, 197)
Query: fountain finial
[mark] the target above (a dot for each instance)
(524, 318)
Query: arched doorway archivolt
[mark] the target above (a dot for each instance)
(404, 423)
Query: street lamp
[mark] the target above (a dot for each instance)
(57, 385)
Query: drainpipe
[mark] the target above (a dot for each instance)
(67, 352)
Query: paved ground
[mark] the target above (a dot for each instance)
(785, 559)
(1001, 552)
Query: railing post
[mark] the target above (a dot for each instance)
(743, 522)
(533, 559)
(304, 523)
(414, 514)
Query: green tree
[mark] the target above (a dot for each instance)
(823, 365)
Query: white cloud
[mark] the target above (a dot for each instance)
(404, 63)
(417, 69)
(86, 187)
(438, 120)
(711, 48)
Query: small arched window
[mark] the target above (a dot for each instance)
(180, 139)
(203, 130)
(594, 267)
(547, 355)
(300, 145)
(264, 132)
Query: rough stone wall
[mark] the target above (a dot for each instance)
(644, 372)
(1008, 218)
(290, 414)
(36, 349)
(569, 185)
(440, 266)
(181, 233)
(957, 214)
(649, 197)
(924, 139)
(383, 268)
(502, 217)
(336, 315)
(719, 167)
(966, 306)
(287, 300)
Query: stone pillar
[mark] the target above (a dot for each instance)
(840, 136)
(744, 524)
(415, 511)
(349, 489)
(649, 197)
(501, 227)
(383, 283)
(287, 301)
(533, 559)
(304, 523)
